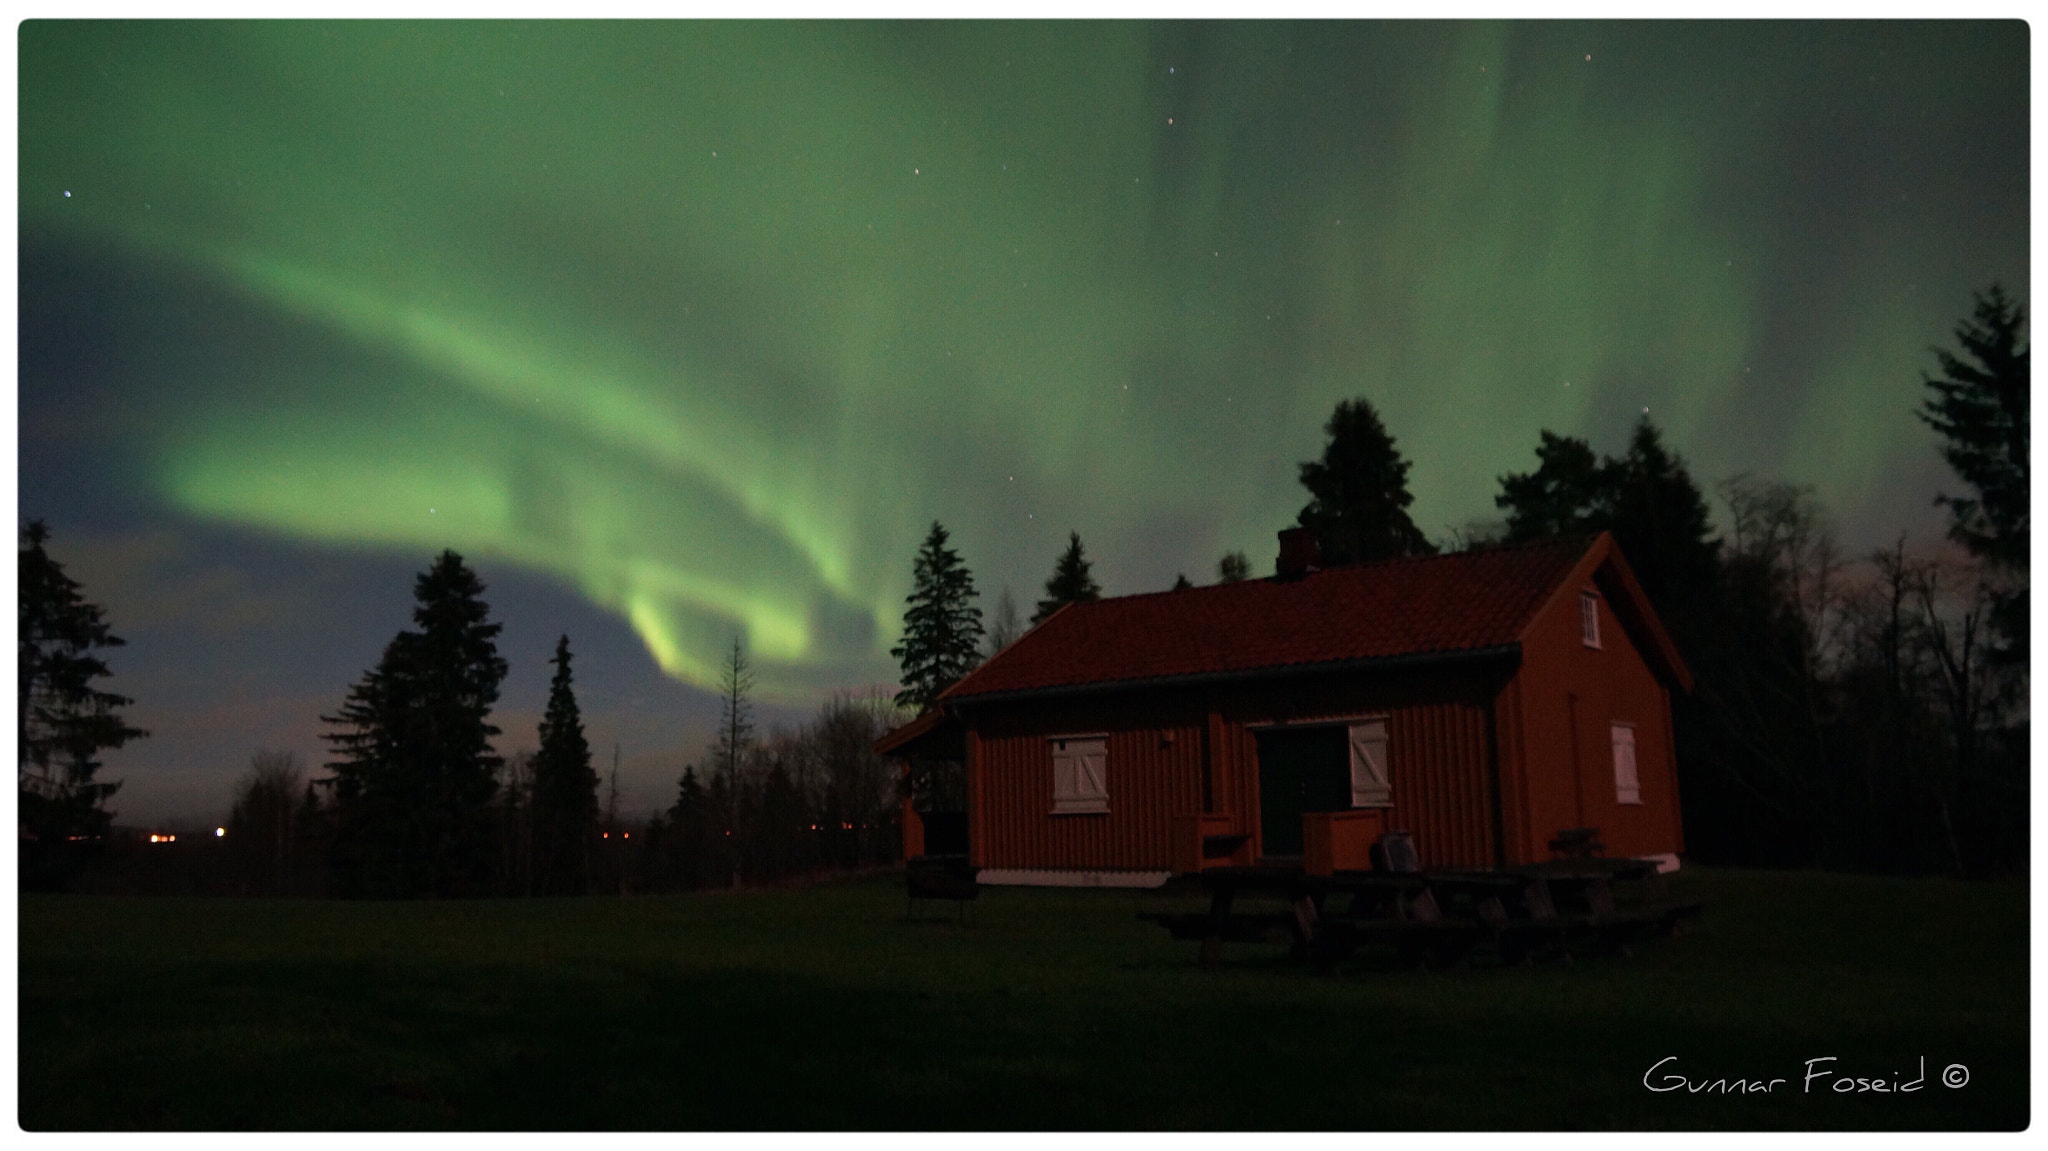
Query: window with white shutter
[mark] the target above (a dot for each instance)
(1369, 787)
(1079, 774)
(1626, 788)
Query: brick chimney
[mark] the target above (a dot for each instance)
(1299, 553)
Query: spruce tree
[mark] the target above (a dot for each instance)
(415, 774)
(1359, 492)
(1980, 406)
(941, 627)
(1234, 567)
(62, 721)
(689, 795)
(564, 789)
(1070, 581)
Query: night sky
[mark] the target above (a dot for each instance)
(682, 331)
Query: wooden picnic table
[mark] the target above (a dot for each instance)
(1441, 915)
(1367, 897)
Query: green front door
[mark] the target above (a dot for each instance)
(1301, 769)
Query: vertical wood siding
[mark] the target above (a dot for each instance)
(1512, 768)
(1610, 684)
(1153, 768)
(1438, 762)
(1440, 751)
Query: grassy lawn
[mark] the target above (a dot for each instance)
(825, 1009)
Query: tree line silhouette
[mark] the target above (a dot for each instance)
(417, 805)
(1851, 712)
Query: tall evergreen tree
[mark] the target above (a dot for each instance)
(415, 774)
(1069, 583)
(62, 721)
(1359, 492)
(564, 789)
(941, 627)
(1980, 406)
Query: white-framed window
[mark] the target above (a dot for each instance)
(1079, 779)
(1369, 786)
(1626, 787)
(1589, 618)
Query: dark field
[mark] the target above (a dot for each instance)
(824, 1009)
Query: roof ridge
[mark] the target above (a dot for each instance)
(1583, 540)
(1148, 594)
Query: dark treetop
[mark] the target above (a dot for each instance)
(941, 628)
(564, 788)
(1981, 407)
(1359, 492)
(62, 720)
(1069, 583)
(415, 772)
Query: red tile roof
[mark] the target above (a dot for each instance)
(1466, 602)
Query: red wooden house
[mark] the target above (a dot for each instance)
(1482, 702)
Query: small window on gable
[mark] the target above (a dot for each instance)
(1626, 787)
(1369, 786)
(1589, 618)
(1079, 783)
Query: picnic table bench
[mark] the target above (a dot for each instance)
(1372, 897)
(1437, 916)
(1614, 903)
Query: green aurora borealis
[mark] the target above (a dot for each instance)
(710, 321)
